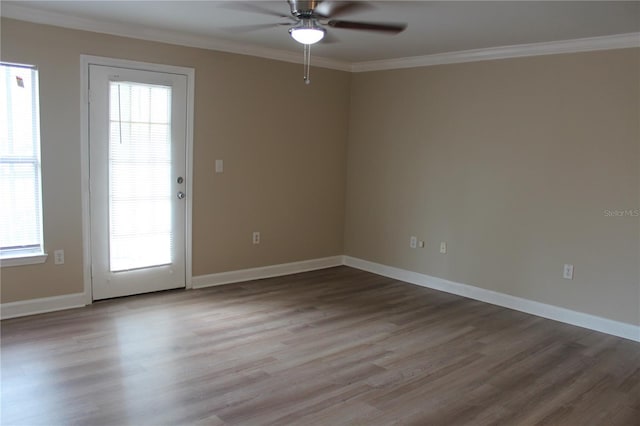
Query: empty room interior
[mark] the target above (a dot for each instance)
(428, 214)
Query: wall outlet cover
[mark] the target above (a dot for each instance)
(413, 242)
(58, 257)
(567, 271)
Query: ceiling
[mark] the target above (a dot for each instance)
(433, 27)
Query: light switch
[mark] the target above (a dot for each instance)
(219, 166)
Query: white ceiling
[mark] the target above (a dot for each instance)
(433, 27)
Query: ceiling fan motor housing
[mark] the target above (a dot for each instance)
(303, 9)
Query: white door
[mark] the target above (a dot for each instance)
(137, 165)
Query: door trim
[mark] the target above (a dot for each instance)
(85, 61)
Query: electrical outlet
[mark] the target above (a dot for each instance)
(219, 166)
(443, 247)
(58, 257)
(256, 238)
(413, 242)
(567, 271)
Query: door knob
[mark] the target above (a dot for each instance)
(180, 195)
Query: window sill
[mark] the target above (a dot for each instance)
(31, 259)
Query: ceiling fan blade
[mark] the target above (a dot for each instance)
(257, 27)
(329, 38)
(332, 9)
(252, 7)
(387, 27)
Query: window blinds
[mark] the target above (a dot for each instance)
(140, 197)
(20, 180)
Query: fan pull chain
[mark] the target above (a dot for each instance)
(307, 63)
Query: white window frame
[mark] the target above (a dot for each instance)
(20, 257)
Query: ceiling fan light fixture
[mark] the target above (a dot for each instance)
(308, 31)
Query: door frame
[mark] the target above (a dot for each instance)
(85, 62)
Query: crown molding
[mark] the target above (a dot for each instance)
(618, 41)
(22, 13)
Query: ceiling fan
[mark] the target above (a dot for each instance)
(310, 17)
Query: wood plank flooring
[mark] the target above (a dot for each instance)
(331, 347)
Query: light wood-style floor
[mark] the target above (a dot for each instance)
(331, 347)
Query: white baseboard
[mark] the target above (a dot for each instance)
(76, 300)
(266, 271)
(580, 319)
(42, 305)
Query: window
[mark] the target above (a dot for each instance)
(20, 181)
(140, 197)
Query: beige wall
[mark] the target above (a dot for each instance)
(512, 163)
(284, 169)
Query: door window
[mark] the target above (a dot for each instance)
(139, 175)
